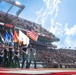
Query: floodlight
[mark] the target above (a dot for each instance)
(18, 3)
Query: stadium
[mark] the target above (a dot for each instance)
(47, 54)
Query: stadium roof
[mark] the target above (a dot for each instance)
(14, 3)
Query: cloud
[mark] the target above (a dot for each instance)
(67, 41)
(70, 31)
(57, 28)
(66, 35)
(70, 42)
(70, 34)
(58, 44)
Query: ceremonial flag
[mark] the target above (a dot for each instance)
(23, 38)
(32, 34)
(7, 37)
(12, 36)
(16, 35)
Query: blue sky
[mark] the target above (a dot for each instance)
(57, 16)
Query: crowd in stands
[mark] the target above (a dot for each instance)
(56, 56)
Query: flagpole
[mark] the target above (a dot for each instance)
(18, 44)
(13, 37)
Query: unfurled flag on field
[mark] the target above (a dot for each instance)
(32, 34)
(23, 38)
(7, 37)
(16, 35)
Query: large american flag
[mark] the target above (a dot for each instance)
(32, 34)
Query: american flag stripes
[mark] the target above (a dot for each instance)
(32, 34)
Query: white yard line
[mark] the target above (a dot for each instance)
(36, 71)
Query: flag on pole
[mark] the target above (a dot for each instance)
(32, 34)
(7, 37)
(16, 35)
(12, 36)
(23, 38)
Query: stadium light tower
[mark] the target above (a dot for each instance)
(17, 4)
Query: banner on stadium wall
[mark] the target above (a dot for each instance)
(9, 25)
